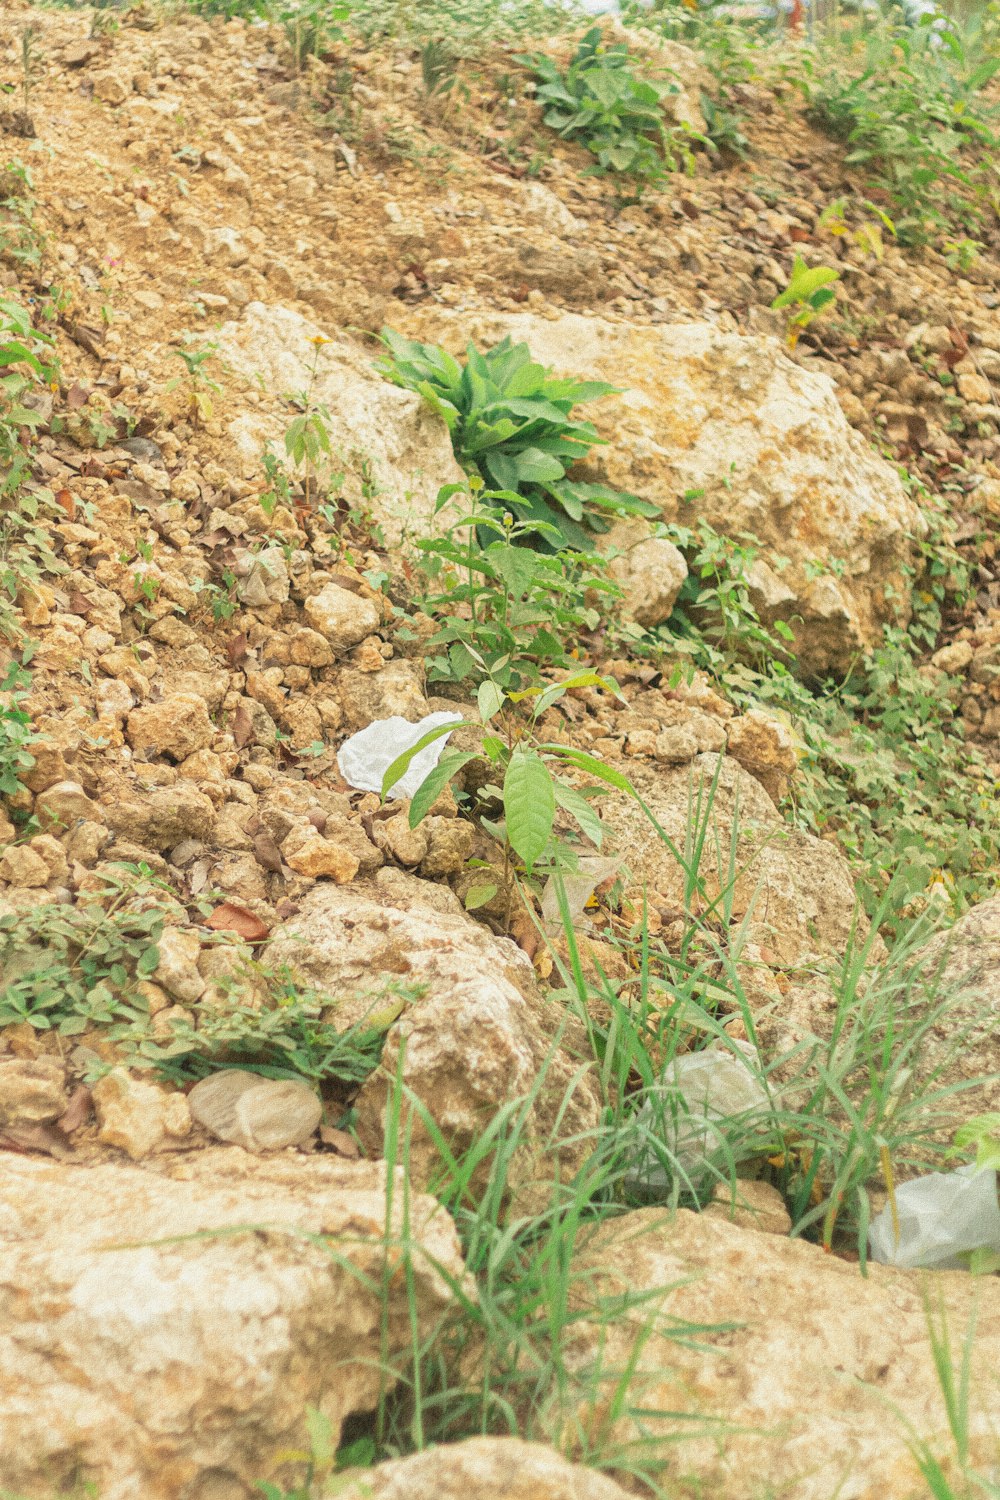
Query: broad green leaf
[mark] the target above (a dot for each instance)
(401, 764)
(582, 810)
(478, 895)
(529, 805)
(435, 782)
(490, 700)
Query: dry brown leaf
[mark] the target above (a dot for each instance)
(76, 1111)
(242, 726)
(232, 918)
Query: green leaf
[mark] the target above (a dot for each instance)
(435, 782)
(490, 699)
(582, 810)
(478, 895)
(529, 805)
(401, 764)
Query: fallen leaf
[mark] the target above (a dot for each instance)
(267, 853)
(237, 648)
(27, 1138)
(77, 396)
(242, 726)
(67, 500)
(232, 918)
(76, 1111)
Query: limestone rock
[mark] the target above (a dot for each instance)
(21, 866)
(406, 443)
(32, 1090)
(177, 726)
(483, 1468)
(807, 1372)
(341, 617)
(795, 891)
(124, 1315)
(477, 1038)
(752, 1205)
(138, 1117)
(309, 853)
(160, 818)
(64, 804)
(177, 970)
(964, 963)
(765, 747)
(650, 570)
(260, 1114)
(762, 442)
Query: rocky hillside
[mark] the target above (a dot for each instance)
(330, 1118)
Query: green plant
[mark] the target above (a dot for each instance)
(951, 1478)
(531, 783)
(25, 548)
(511, 425)
(619, 116)
(808, 291)
(200, 386)
(911, 106)
(17, 734)
(221, 597)
(67, 968)
(504, 611)
(288, 1037)
(311, 27)
(31, 65)
(21, 241)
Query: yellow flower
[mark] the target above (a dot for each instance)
(319, 341)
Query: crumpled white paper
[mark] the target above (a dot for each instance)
(941, 1217)
(367, 755)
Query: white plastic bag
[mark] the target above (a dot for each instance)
(367, 755)
(578, 887)
(941, 1217)
(689, 1113)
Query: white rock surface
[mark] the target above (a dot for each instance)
(477, 1038)
(815, 1370)
(155, 1367)
(483, 1468)
(762, 439)
(407, 444)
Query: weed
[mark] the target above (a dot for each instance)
(200, 386)
(311, 27)
(288, 1037)
(511, 425)
(67, 968)
(220, 597)
(16, 732)
(504, 611)
(619, 116)
(25, 549)
(21, 241)
(808, 292)
(31, 65)
(910, 105)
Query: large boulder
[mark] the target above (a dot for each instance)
(792, 893)
(963, 967)
(163, 1335)
(406, 444)
(476, 1036)
(483, 1468)
(803, 1377)
(724, 428)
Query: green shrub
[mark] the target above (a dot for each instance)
(617, 114)
(512, 427)
(909, 103)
